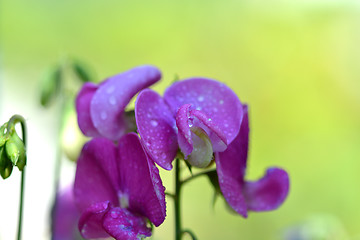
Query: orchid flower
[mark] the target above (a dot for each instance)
(204, 118)
(118, 190)
(101, 108)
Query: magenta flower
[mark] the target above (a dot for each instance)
(203, 118)
(200, 116)
(118, 189)
(65, 216)
(100, 108)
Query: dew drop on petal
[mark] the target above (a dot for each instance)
(221, 101)
(103, 115)
(200, 98)
(153, 123)
(110, 89)
(114, 214)
(112, 100)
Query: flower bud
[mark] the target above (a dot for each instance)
(50, 86)
(3, 135)
(15, 150)
(5, 164)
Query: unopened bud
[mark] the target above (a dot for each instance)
(2, 134)
(15, 149)
(5, 164)
(50, 86)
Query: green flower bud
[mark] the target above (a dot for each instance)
(5, 164)
(82, 71)
(15, 150)
(50, 86)
(3, 135)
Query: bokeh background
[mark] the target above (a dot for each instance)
(296, 63)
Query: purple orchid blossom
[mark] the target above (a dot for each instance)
(100, 108)
(203, 118)
(65, 216)
(118, 189)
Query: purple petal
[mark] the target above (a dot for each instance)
(109, 101)
(231, 166)
(269, 192)
(96, 177)
(184, 132)
(91, 220)
(140, 180)
(217, 137)
(231, 188)
(65, 216)
(122, 224)
(215, 99)
(83, 101)
(156, 127)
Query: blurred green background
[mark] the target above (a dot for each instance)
(296, 63)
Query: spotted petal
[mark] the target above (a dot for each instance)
(109, 101)
(156, 127)
(269, 192)
(122, 224)
(141, 186)
(96, 177)
(213, 98)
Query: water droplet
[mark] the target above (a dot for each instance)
(110, 89)
(221, 101)
(148, 115)
(226, 125)
(198, 108)
(112, 100)
(200, 98)
(153, 123)
(215, 110)
(103, 115)
(209, 119)
(114, 214)
(163, 155)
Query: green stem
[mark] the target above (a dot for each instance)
(195, 176)
(11, 127)
(178, 231)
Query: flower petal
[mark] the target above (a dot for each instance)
(269, 192)
(122, 224)
(215, 99)
(91, 220)
(83, 101)
(109, 101)
(156, 127)
(183, 124)
(96, 177)
(65, 216)
(217, 137)
(231, 166)
(140, 180)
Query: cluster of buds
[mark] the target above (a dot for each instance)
(12, 150)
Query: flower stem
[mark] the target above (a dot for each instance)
(178, 231)
(11, 127)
